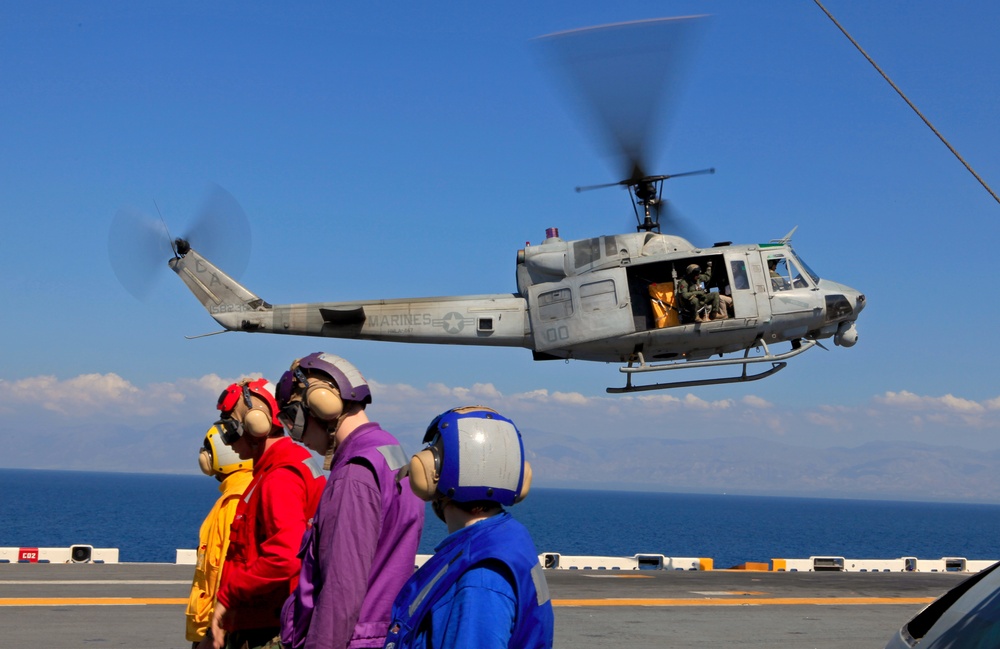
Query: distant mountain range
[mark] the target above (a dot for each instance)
(882, 470)
(735, 465)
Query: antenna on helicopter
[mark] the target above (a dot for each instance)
(647, 195)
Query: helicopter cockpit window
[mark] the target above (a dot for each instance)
(809, 271)
(798, 280)
(786, 274)
(781, 279)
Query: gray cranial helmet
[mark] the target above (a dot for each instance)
(347, 378)
(318, 385)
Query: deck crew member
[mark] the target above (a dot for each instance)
(262, 565)
(234, 474)
(363, 544)
(484, 587)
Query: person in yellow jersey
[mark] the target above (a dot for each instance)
(218, 460)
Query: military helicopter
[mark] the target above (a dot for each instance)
(610, 298)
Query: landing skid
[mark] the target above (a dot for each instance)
(777, 362)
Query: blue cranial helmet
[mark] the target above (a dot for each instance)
(472, 454)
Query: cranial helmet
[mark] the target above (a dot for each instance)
(248, 406)
(216, 458)
(472, 454)
(692, 269)
(320, 383)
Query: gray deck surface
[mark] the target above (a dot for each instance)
(675, 609)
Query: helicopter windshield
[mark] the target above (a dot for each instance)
(788, 272)
(805, 267)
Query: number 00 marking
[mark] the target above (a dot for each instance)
(557, 333)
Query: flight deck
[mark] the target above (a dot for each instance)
(57, 605)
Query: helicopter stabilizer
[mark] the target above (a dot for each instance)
(226, 300)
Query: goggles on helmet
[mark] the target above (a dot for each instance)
(217, 457)
(231, 430)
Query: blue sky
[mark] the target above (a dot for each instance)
(404, 149)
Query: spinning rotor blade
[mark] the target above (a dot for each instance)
(221, 231)
(623, 75)
(139, 245)
(672, 221)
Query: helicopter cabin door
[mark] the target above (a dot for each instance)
(580, 309)
(740, 286)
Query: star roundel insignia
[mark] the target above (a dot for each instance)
(453, 323)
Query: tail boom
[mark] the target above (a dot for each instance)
(497, 320)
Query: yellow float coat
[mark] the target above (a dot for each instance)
(213, 544)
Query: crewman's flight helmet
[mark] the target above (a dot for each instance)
(248, 406)
(216, 458)
(319, 384)
(472, 454)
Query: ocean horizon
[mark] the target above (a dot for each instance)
(150, 516)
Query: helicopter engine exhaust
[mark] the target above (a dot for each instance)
(846, 336)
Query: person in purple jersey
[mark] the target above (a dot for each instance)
(484, 588)
(362, 545)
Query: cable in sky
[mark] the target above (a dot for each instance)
(907, 100)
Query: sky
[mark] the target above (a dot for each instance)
(403, 149)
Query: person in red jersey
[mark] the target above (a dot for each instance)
(262, 566)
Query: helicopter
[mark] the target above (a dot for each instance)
(587, 299)
(611, 298)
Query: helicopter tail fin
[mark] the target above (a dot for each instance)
(225, 299)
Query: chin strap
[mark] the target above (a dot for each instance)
(332, 429)
(437, 506)
(298, 426)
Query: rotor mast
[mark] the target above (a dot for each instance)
(646, 193)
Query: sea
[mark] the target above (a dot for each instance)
(148, 517)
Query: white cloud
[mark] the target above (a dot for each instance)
(105, 396)
(948, 402)
(898, 398)
(104, 400)
(570, 399)
(754, 401)
(948, 412)
(964, 405)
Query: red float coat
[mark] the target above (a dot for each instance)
(262, 566)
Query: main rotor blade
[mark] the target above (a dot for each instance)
(672, 221)
(623, 75)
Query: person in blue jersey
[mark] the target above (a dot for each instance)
(484, 587)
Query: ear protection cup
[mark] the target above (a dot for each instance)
(525, 483)
(425, 472)
(323, 400)
(257, 422)
(205, 462)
